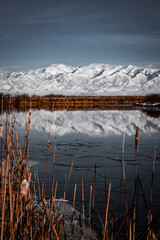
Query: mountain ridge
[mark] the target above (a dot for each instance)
(92, 80)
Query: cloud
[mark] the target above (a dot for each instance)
(125, 39)
(104, 16)
(40, 27)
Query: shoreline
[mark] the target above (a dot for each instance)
(73, 103)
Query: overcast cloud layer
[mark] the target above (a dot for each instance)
(37, 33)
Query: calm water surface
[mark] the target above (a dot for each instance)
(93, 139)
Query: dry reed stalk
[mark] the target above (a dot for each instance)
(54, 158)
(134, 215)
(89, 219)
(64, 195)
(69, 174)
(136, 185)
(115, 237)
(153, 168)
(112, 223)
(66, 184)
(136, 148)
(55, 191)
(6, 124)
(130, 229)
(13, 154)
(39, 190)
(2, 110)
(1, 165)
(75, 227)
(1, 137)
(25, 140)
(72, 228)
(137, 139)
(47, 161)
(102, 224)
(143, 194)
(2, 173)
(82, 203)
(4, 193)
(93, 198)
(21, 213)
(150, 198)
(19, 149)
(27, 148)
(12, 130)
(105, 185)
(105, 235)
(124, 181)
(74, 197)
(11, 204)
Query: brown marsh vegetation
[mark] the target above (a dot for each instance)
(50, 102)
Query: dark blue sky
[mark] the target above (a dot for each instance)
(37, 33)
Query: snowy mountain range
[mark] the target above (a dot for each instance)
(92, 80)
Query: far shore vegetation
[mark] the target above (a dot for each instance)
(59, 102)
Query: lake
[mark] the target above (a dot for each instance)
(93, 140)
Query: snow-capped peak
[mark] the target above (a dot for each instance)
(95, 79)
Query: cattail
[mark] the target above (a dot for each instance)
(24, 188)
(1, 131)
(137, 139)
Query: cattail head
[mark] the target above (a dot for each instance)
(1, 130)
(24, 188)
(137, 139)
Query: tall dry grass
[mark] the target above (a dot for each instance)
(24, 211)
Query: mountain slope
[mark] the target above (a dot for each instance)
(95, 79)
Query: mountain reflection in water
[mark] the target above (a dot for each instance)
(92, 123)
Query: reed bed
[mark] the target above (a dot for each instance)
(25, 213)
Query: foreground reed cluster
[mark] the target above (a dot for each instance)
(22, 216)
(24, 211)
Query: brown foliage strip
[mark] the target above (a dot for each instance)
(59, 102)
